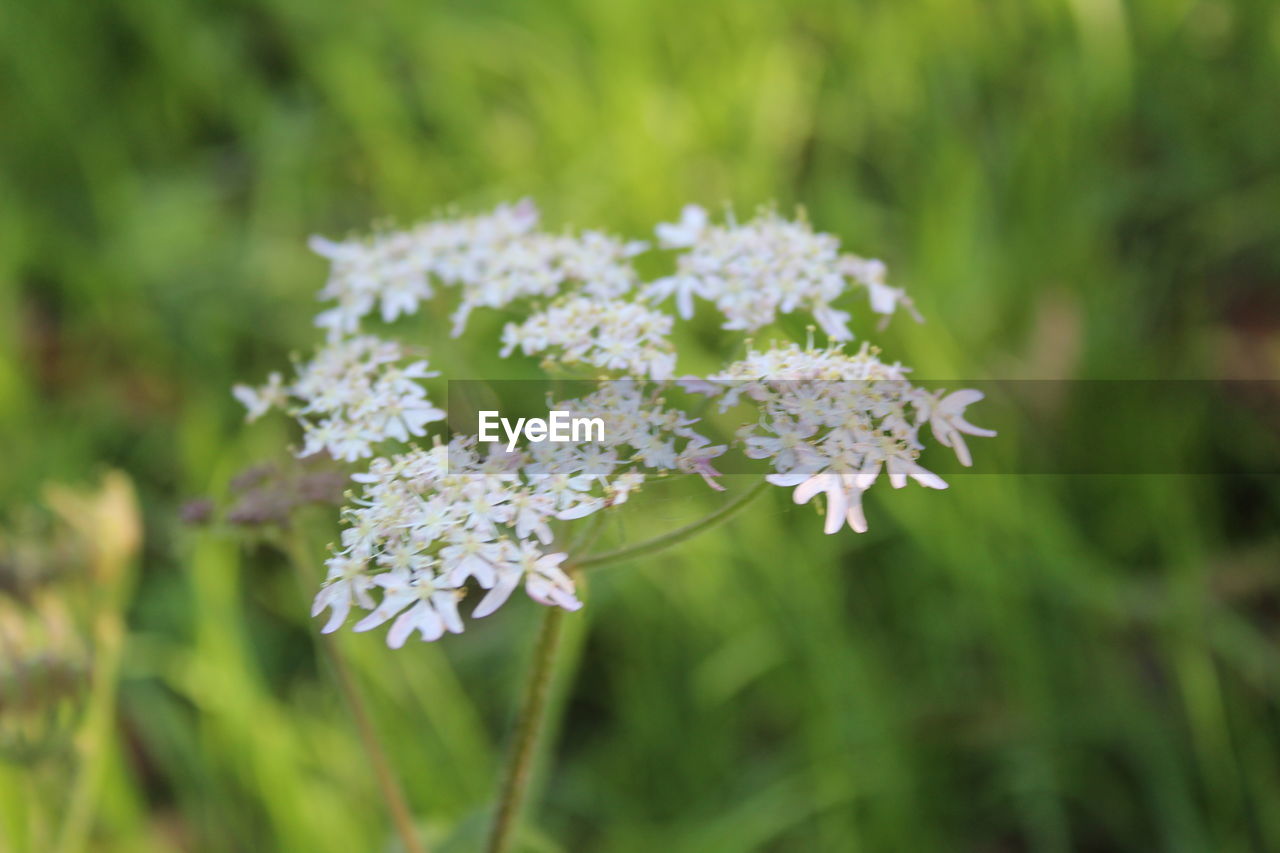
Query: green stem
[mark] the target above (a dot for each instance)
(397, 804)
(531, 722)
(529, 726)
(674, 537)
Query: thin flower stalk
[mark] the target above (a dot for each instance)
(531, 725)
(295, 549)
(674, 537)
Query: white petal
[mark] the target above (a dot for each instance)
(399, 632)
(684, 303)
(340, 606)
(957, 400)
(549, 594)
(812, 486)
(392, 603)
(883, 298)
(837, 506)
(926, 478)
(331, 249)
(581, 510)
(497, 596)
(422, 618)
(446, 604)
(854, 515)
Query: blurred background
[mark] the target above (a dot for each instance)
(1070, 189)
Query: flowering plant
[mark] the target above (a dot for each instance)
(430, 520)
(436, 517)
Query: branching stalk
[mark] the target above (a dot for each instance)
(674, 537)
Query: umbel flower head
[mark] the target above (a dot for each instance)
(437, 516)
(831, 423)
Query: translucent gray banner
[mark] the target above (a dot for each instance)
(1079, 427)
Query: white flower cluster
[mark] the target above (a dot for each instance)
(831, 422)
(542, 264)
(766, 267)
(353, 396)
(432, 522)
(394, 270)
(612, 335)
(494, 260)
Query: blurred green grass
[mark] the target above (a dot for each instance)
(1083, 189)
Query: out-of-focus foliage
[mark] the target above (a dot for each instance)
(1068, 189)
